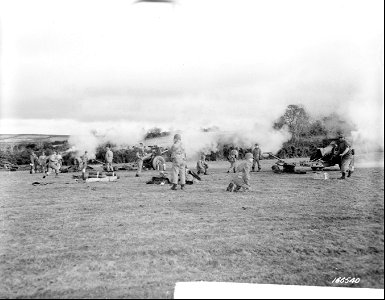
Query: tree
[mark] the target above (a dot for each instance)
(317, 128)
(155, 132)
(297, 119)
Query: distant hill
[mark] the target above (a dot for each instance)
(31, 138)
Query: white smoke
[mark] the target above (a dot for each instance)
(163, 69)
(85, 141)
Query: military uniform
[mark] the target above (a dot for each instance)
(109, 157)
(233, 156)
(34, 163)
(59, 160)
(43, 163)
(140, 154)
(347, 160)
(178, 157)
(83, 161)
(202, 165)
(241, 178)
(256, 157)
(53, 164)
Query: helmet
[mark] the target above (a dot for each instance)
(177, 137)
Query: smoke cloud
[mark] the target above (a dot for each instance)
(154, 65)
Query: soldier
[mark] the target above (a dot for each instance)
(83, 161)
(233, 156)
(346, 154)
(241, 179)
(59, 158)
(178, 157)
(43, 162)
(257, 156)
(202, 165)
(140, 154)
(77, 162)
(53, 164)
(109, 157)
(34, 162)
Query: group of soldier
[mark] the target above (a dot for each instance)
(46, 163)
(242, 171)
(234, 156)
(240, 180)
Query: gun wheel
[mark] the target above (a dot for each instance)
(158, 162)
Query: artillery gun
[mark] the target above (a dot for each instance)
(286, 167)
(155, 160)
(324, 157)
(8, 165)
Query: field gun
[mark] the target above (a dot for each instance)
(286, 167)
(8, 165)
(155, 159)
(324, 157)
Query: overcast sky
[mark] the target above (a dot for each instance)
(67, 65)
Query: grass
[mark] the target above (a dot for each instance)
(127, 239)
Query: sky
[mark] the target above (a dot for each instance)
(121, 67)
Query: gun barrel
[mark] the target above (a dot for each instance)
(272, 155)
(99, 161)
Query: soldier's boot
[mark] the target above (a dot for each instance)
(350, 172)
(230, 188)
(182, 186)
(228, 171)
(205, 173)
(234, 171)
(342, 176)
(259, 169)
(137, 175)
(253, 169)
(174, 187)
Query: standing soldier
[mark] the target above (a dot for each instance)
(233, 156)
(202, 165)
(109, 157)
(34, 162)
(346, 153)
(83, 161)
(43, 162)
(59, 158)
(140, 154)
(53, 164)
(242, 178)
(257, 156)
(178, 157)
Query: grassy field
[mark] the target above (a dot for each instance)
(126, 239)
